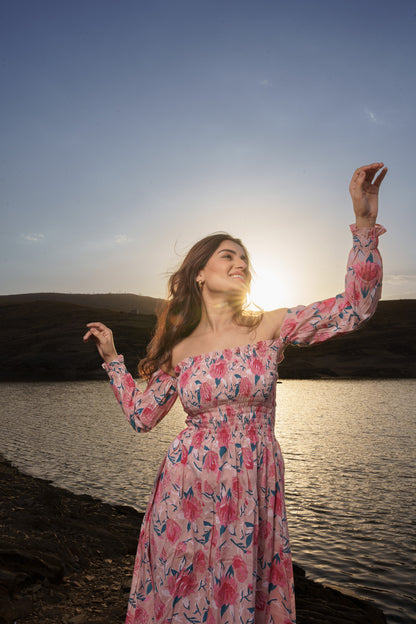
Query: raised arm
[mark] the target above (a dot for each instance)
(143, 408)
(344, 313)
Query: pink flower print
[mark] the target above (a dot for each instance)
(240, 568)
(192, 509)
(261, 601)
(367, 271)
(184, 457)
(211, 461)
(289, 327)
(257, 367)
(198, 486)
(141, 616)
(180, 550)
(171, 584)
(224, 435)
(208, 489)
(199, 562)
(185, 584)
(211, 618)
(277, 574)
(185, 376)
(252, 432)
(147, 416)
(324, 307)
(267, 529)
(247, 457)
(128, 382)
(262, 348)
(197, 360)
(230, 412)
(353, 293)
(245, 387)
(218, 369)
(227, 511)
(173, 530)
(278, 504)
(225, 593)
(228, 354)
(159, 607)
(206, 391)
(198, 438)
(236, 488)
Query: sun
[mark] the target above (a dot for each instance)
(270, 291)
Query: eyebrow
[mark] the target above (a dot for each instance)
(243, 256)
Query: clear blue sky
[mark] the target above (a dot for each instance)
(130, 129)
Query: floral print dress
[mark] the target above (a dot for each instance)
(214, 545)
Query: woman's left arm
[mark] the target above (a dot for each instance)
(344, 313)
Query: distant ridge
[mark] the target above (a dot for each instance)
(124, 302)
(41, 339)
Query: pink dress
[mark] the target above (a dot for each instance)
(214, 545)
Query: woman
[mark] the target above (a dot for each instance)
(214, 543)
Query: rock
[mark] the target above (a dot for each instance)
(68, 558)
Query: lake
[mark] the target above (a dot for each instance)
(349, 449)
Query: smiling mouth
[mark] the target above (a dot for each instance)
(238, 276)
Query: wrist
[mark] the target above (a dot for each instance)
(110, 357)
(365, 222)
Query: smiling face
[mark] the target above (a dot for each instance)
(226, 270)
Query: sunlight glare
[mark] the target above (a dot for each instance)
(270, 291)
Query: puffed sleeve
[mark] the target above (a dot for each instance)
(320, 321)
(143, 408)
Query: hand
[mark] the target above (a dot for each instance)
(364, 187)
(103, 338)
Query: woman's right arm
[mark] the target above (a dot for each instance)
(143, 408)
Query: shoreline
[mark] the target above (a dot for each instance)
(68, 558)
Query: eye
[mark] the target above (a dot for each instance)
(228, 256)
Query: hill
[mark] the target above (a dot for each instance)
(123, 302)
(41, 339)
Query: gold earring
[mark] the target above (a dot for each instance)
(200, 284)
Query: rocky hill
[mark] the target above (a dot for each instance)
(41, 339)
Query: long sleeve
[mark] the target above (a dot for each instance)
(143, 408)
(320, 321)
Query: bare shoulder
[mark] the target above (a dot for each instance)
(273, 320)
(180, 351)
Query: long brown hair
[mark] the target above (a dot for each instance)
(182, 310)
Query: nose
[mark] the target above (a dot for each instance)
(241, 264)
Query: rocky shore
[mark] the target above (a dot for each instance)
(68, 559)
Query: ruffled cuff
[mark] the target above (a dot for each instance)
(116, 366)
(367, 237)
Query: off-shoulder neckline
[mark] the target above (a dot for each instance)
(235, 349)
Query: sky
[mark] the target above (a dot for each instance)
(132, 128)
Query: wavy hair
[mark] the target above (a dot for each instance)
(181, 312)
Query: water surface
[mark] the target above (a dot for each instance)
(349, 449)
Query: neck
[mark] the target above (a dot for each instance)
(217, 314)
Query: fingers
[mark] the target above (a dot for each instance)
(97, 331)
(379, 179)
(368, 174)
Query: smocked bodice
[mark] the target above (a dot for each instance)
(233, 386)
